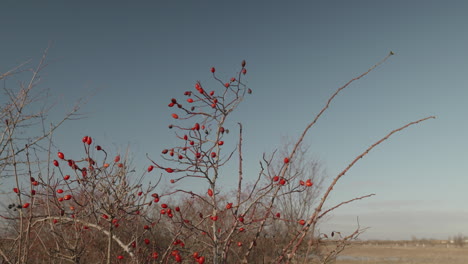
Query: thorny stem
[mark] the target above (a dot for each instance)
(311, 223)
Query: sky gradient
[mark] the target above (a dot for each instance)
(131, 58)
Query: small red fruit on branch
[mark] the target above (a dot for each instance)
(213, 69)
(302, 222)
(169, 170)
(56, 164)
(26, 205)
(16, 190)
(87, 140)
(286, 160)
(150, 168)
(175, 116)
(60, 155)
(210, 192)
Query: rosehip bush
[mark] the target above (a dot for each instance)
(92, 206)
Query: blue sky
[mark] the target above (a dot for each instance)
(133, 57)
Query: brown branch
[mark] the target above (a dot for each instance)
(311, 223)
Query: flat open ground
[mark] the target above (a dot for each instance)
(411, 254)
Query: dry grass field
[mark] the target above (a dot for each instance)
(403, 254)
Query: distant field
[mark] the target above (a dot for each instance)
(388, 254)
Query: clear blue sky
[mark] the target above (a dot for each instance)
(136, 55)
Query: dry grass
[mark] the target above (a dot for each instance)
(401, 254)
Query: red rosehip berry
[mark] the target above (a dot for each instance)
(302, 222)
(26, 205)
(210, 192)
(66, 177)
(169, 170)
(16, 190)
(286, 160)
(150, 168)
(56, 164)
(60, 155)
(59, 191)
(175, 116)
(213, 69)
